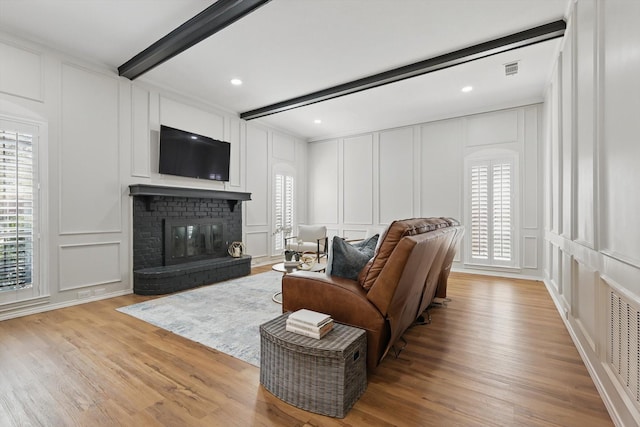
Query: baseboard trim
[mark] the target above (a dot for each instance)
(495, 273)
(41, 308)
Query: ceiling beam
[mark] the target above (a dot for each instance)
(513, 41)
(208, 22)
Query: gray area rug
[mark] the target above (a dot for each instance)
(224, 316)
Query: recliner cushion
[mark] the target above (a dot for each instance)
(346, 260)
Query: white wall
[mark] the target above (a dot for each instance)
(360, 183)
(268, 150)
(592, 233)
(100, 135)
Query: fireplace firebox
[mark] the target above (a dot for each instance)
(192, 240)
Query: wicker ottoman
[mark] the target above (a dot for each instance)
(325, 376)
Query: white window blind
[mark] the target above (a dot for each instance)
(16, 210)
(491, 212)
(284, 209)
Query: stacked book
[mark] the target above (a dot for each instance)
(309, 323)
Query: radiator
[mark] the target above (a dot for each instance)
(624, 351)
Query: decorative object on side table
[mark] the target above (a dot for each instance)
(236, 249)
(291, 258)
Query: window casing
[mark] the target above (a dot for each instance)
(491, 212)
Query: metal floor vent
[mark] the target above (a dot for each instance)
(625, 344)
(511, 69)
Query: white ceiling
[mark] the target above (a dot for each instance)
(289, 48)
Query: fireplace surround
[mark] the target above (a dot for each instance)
(181, 236)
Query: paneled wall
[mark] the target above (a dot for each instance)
(81, 242)
(99, 133)
(358, 184)
(592, 234)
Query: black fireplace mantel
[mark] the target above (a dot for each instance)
(232, 197)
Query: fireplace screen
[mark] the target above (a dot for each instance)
(193, 240)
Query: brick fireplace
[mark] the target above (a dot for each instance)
(181, 236)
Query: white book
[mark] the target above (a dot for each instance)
(306, 332)
(325, 327)
(309, 317)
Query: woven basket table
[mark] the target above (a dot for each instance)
(325, 376)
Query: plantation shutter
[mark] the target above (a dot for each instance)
(491, 212)
(16, 209)
(284, 208)
(479, 212)
(502, 211)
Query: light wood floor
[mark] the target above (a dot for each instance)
(497, 355)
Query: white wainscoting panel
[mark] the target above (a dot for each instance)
(333, 232)
(530, 197)
(191, 119)
(22, 73)
(396, 174)
(354, 234)
(257, 176)
(584, 283)
(567, 134)
(140, 141)
(586, 119)
(284, 147)
(556, 267)
(441, 174)
(235, 161)
(90, 197)
(492, 128)
(545, 146)
(358, 180)
(89, 264)
(618, 163)
(257, 243)
(530, 252)
(567, 279)
(322, 159)
(555, 150)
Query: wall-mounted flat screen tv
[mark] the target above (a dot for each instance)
(188, 154)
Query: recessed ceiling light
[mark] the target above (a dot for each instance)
(236, 82)
(317, 121)
(467, 89)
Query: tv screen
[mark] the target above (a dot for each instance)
(188, 154)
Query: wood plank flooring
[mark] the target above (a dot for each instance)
(497, 355)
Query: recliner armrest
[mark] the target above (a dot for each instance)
(341, 298)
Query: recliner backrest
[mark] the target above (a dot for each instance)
(394, 233)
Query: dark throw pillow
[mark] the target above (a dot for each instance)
(348, 259)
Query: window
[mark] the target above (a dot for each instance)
(284, 208)
(491, 212)
(16, 210)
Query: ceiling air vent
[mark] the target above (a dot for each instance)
(511, 69)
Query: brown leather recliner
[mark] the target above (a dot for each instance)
(411, 264)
